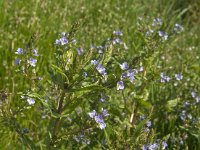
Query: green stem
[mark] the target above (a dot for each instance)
(57, 121)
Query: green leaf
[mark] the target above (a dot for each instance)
(139, 128)
(59, 70)
(172, 103)
(144, 104)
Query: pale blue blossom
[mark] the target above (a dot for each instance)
(178, 77)
(32, 62)
(164, 145)
(118, 33)
(104, 112)
(35, 53)
(92, 114)
(30, 101)
(17, 61)
(102, 125)
(148, 123)
(163, 35)
(178, 28)
(164, 78)
(94, 62)
(157, 22)
(63, 41)
(85, 74)
(79, 51)
(102, 98)
(120, 85)
(20, 51)
(101, 70)
(153, 146)
(124, 66)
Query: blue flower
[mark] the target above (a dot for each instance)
(164, 144)
(35, 53)
(63, 40)
(32, 62)
(131, 75)
(102, 125)
(124, 75)
(57, 42)
(148, 123)
(178, 28)
(92, 114)
(64, 34)
(79, 51)
(164, 78)
(183, 115)
(94, 62)
(104, 112)
(153, 146)
(117, 40)
(30, 101)
(156, 22)
(85, 74)
(120, 85)
(118, 33)
(193, 94)
(17, 61)
(124, 66)
(197, 99)
(141, 69)
(19, 51)
(101, 70)
(178, 77)
(189, 116)
(163, 35)
(98, 119)
(102, 98)
(144, 147)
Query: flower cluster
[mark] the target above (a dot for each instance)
(157, 22)
(196, 97)
(63, 40)
(184, 115)
(102, 98)
(117, 40)
(31, 61)
(164, 78)
(99, 68)
(81, 138)
(155, 146)
(163, 35)
(80, 51)
(156, 25)
(20, 51)
(31, 101)
(178, 77)
(99, 117)
(129, 73)
(178, 28)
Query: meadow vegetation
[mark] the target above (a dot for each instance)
(112, 74)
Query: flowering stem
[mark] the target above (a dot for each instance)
(57, 121)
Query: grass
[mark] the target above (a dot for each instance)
(64, 98)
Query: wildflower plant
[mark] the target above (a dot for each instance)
(102, 96)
